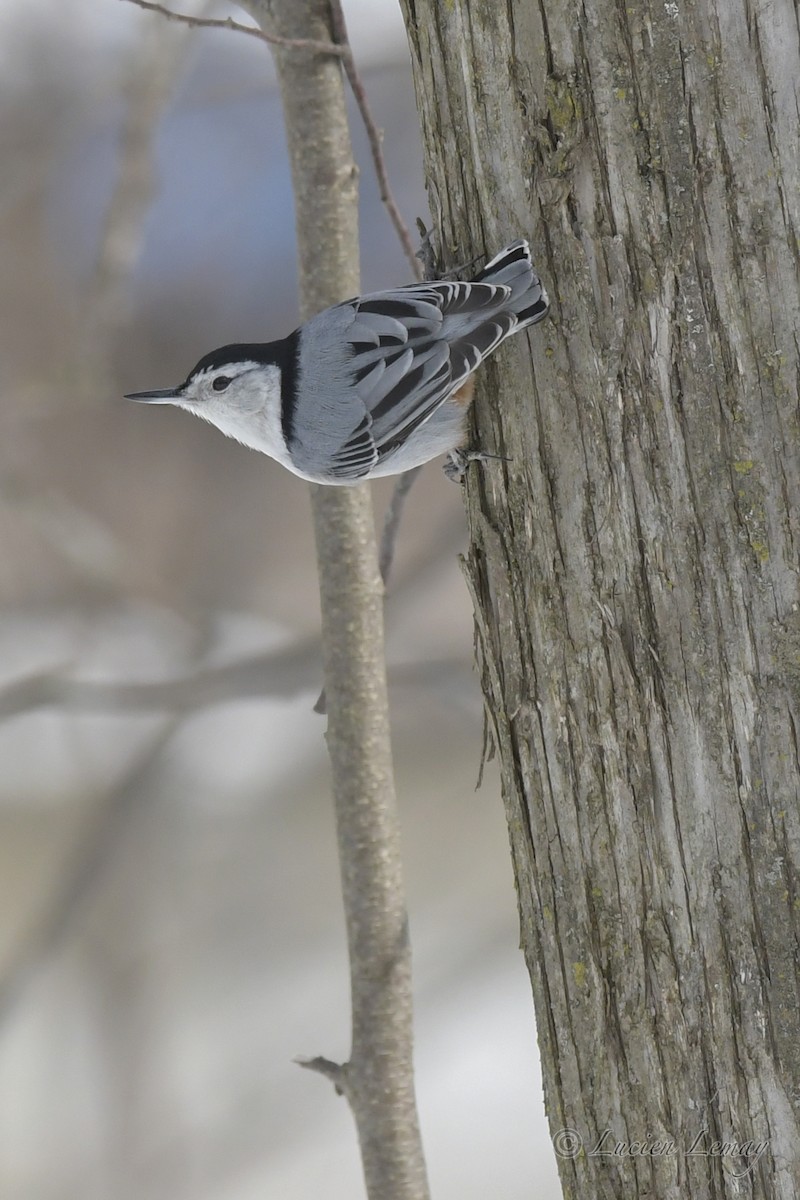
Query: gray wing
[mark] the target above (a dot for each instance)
(403, 353)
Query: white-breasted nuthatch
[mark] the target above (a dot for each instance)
(370, 387)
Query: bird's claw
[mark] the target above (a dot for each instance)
(457, 461)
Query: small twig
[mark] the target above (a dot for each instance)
(394, 513)
(272, 39)
(391, 522)
(373, 134)
(391, 525)
(336, 1072)
(426, 255)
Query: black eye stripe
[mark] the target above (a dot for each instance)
(220, 383)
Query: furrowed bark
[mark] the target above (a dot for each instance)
(634, 568)
(378, 1079)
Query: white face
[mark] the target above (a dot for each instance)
(242, 399)
(219, 389)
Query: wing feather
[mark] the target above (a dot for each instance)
(448, 331)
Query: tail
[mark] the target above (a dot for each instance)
(513, 268)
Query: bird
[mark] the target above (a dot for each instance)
(373, 386)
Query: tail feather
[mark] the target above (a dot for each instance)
(513, 268)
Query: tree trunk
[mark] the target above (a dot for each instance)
(634, 566)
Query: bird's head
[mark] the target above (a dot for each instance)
(237, 388)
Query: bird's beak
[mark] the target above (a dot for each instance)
(165, 396)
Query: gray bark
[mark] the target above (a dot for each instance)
(634, 567)
(378, 1079)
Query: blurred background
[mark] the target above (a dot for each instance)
(171, 934)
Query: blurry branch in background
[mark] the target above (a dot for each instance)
(83, 540)
(378, 1079)
(86, 545)
(149, 78)
(78, 537)
(146, 93)
(281, 675)
(105, 827)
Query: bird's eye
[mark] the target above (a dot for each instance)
(220, 383)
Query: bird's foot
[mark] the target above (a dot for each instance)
(457, 461)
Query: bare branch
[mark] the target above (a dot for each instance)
(380, 1071)
(313, 44)
(374, 135)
